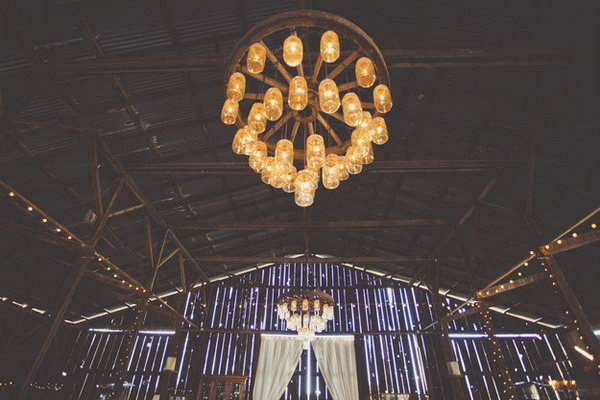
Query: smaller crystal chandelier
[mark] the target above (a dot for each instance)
(306, 312)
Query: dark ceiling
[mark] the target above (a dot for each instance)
(472, 81)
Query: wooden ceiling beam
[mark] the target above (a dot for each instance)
(395, 58)
(301, 225)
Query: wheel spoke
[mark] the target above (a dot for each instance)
(277, 125)
(329, 129)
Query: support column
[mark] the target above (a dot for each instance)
(167, 376)
(499, 367)
(68, 292)
(453, 384)
(585, 328)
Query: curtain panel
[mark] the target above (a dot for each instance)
(337, 361)
(277, 361)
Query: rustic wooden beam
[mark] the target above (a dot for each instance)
(571, 243)
(310, 259)
(389, 167)
(300, 225)
(511, 285)
(67, 295)
(395, 58)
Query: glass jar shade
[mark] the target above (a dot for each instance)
(330, 46)
(273, 104)
(382, 98)
(368, 156)
(298, 93)
(229, 112)
(236, 87)
(365, 124)
(266, 174)
(342, 168)
(329, 96)
(360, 139)
(236, 144)
(315, 151)
(278, 175)
(379, 130)
(257, 121)
(292, 51)
(257, 159)
(352, 109)
(284, 152)
(248, 141)
(257, 55)
(304, 188)
(353, 161)
(330, 172)
(288, 185)
(365, 72)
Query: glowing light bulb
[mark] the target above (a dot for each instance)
(236, 144)
(236, 87)
(353, 161)
(329, 97)
(292, 51)
(342, 168)
(248, 141)
(379, 130)
(368, 156)
(298, 93)
(289, 177)
(382, 98)
(257, 54)
(284, 152)
(257, 159)
(229, 112)
(315, 151)
(304, 193)
(273, 104)
(330, 46)
(257, 120)
(267, 170)
(331, 179)
(365, 72)
(352, 109)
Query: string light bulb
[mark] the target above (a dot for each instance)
(330, 46)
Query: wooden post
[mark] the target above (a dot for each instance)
(68, 291)
(568, 294)
(166, 376)
(361, 370)
(453, 384)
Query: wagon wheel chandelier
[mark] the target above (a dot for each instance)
(317, 87)
(306, 311)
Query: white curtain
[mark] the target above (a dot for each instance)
(277, 361)
(337, 362)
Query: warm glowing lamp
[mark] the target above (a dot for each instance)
(229, 112)
(329, 97)
(298, 93)
(315, 151)
(365, 72)
(257, 120)
(330, 46)
(292, 51)
(257, 55)
(236, 86)
(352, 109)
(382, 98)
(273, 104)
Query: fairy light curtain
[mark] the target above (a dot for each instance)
(243, 307)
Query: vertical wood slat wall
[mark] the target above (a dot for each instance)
(398, 362)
